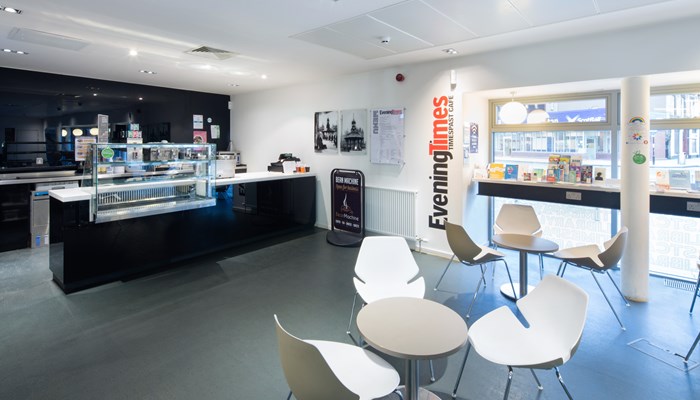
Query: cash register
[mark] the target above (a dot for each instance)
(286, 163)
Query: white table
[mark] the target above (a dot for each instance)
(412, 329)
(524, 244)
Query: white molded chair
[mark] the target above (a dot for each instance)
(322, 370)
(385, 268)
(556, 313)
(697, 287)
(470, 254)
(520, 219)
(595, 260)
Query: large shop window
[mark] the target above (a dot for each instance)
(588, 125)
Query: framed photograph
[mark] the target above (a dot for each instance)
(326, 132)
(353, 128)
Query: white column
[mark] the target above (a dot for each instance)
(634, 186)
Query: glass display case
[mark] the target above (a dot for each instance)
(136, 180)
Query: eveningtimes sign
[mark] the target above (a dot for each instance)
(440, 149)
(347, 200)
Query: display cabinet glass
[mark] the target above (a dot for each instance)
(135, 180)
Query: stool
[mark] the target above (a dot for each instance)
(697, 286)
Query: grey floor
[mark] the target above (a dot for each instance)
(204, 330)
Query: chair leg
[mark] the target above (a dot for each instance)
(444, 272)
(515, 295)
(539, 385)
(398, 391)
(695, 296)
(618, 288)
(352, 313)
(541, 266)
(608, 300)
(695, 343)
(476, 291)
(561, 381)
(461, 371)
(290, 395)
(510, 380)
(562, 269)
(432, 371)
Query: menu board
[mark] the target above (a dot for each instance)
(387, 136)
(82, 144)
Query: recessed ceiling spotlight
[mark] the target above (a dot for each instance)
(234, 84)
(145, 71)
(450, 51)
(10, 10)
(263, 76)
(133, 53)
(14, 51)
(94, 95)
(140, 98)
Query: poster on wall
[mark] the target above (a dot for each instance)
(197, 121)
(353, 125)
(326, 132)
(387, 136)
(199, 137)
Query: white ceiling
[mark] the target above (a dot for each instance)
(290, 41)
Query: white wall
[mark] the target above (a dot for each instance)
(267, 123)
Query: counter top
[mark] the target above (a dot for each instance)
(73, 194)
(259, 177)
(21, 180)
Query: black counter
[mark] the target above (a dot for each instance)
(84, 254)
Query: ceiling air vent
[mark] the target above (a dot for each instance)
(210, 52)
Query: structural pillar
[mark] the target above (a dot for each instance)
(634, 186)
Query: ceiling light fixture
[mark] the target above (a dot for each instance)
(133, 53)
(77, 132)
(263, 76)
(15, 51)
(450, 51)
(537, 116)
(94, 131)
(145, 71)
(513, 112)
(64, 132)
(234, 84)
(10, 10)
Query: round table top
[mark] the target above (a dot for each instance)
(529, 243)
(412, 328)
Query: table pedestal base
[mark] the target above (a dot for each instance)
(423, 394)
(507, 291)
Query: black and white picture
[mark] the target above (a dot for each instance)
(326, 132)
(353, 128)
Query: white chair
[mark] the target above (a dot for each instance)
(595, 260)
(322, 370)
(697, 287)
(556, 313)
(385, 268)
(520, 219)
(470, 254)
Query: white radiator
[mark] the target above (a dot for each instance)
(391, 211)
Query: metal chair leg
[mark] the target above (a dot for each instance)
(541, 266)
(618, 288)
(687, 356)
(476, 292)
(398, 391)
(561, 381)
(608, 300)
(510, 380)
(432, 371)
(290, 395)
(695, 296)
(561, 269)
(539, 385)
(461, 371)
(352, 313)
(444, 272)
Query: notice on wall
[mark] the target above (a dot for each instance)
(199, 137)
(82, 145)
(387, 136)
(197, 121)
(215, 132)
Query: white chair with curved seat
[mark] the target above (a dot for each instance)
(555, 311)
(595, 260)
(470, 254)
(520, 219)
(322, 370)
(697, 287)
(385, 268)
